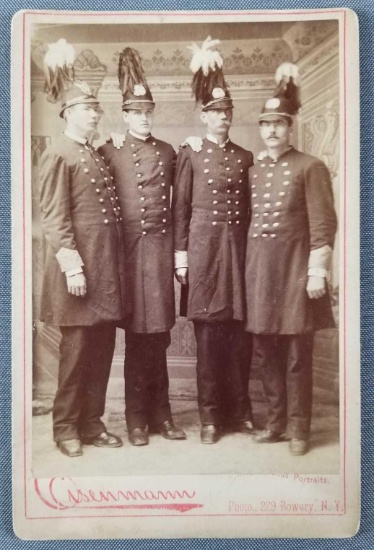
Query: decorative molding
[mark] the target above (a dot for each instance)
(313, 102)
(240, 57)
(182, 86)
(173, 58)
(263, 57)
(88, 62)
(321, 137)
(89, 69)
(313, 63)
(87, 66)
(305, 36)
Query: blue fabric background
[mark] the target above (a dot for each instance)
(365, 538)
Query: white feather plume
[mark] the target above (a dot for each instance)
(287, 70)
(204, 58)
(59, 54)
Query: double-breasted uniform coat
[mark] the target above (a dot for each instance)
(293, 218)
(210, 218)
(81, 220)
(292, 214)
(143, 171)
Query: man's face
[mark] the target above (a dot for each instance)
(275, 131)
(218, 121)
(140, 121)
(83, 117)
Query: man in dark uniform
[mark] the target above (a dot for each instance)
(143, 173)
(210, 217)
(288, 254)
(84, 280)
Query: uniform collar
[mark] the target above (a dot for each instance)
(142, 138)
(82, 141)
(282, 155)
(213, 139)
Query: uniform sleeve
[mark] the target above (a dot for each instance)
(250, 159)
(320, 206)
(182, 200)
(173, 163)
(249, 189)
(55, 210)
(106, 150)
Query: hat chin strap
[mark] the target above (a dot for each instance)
(218, 100)
(131, 101)
(274, 113)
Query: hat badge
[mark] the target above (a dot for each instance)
(217, 93)
(272, 103)
(139, 90)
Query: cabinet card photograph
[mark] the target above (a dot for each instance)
(185, 274)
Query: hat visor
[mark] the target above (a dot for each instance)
(224, 103)
(138, 105)
(273, 114)
(78, 101)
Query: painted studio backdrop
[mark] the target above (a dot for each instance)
(251, 54)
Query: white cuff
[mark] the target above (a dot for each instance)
(72, 272)
(180, 258)
(321, 257)
(68, 259)
(318, 272)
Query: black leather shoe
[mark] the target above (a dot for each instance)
(210, 434)
(298, 446)
(138, 437)
(70, 447)
(246, 427)
(105, 439)
(169, 431)
(267, 436)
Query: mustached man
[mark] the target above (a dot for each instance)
(210, 219)
(289, 249)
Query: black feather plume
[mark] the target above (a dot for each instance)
(202, 86)
(288, 80)
(130, 70)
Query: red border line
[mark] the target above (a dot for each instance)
(187, 13)
(24, 254)
(345, 263)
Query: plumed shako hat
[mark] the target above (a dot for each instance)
(132, 81)
(60, 81)
(208, 83)
(286, 99)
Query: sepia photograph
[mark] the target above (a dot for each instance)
(185, 269)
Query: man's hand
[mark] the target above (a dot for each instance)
(195, 142)
(117, 139)
(316, 287)
(181, 275)
(77, 284)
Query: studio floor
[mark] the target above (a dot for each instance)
(234, 453)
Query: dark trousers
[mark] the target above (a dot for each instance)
(286, 367)
(224, 352)
(86, 355)
(146, 379)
